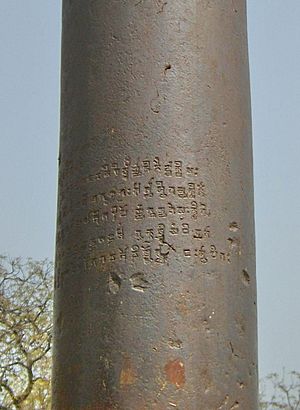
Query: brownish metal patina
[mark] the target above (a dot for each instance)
(155, 268)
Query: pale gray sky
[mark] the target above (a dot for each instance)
(29, 110)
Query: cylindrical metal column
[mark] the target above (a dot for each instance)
(155, 269)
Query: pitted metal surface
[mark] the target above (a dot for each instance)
(155, 294)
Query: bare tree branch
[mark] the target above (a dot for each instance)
(25, 333)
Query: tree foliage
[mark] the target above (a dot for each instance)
(25, 333)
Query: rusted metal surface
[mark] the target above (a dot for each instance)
(155, 268)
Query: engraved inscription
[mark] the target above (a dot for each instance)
(129, 169)
(147, 211)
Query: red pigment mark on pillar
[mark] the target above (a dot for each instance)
(175, 372)
(128, 374)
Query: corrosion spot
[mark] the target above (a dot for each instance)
(175, 343)
(234, 227)
(224, 402)
(175, 372)
(167, 67)
(155, 103)
(182, 305)
(232, 350)
(138, 282)
(114, 283)
(233, 243)
(236, 405)
(161, 4)
(206, 380)
(128, 374)
(246, 277)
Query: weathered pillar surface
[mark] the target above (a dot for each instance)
(155, 277)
